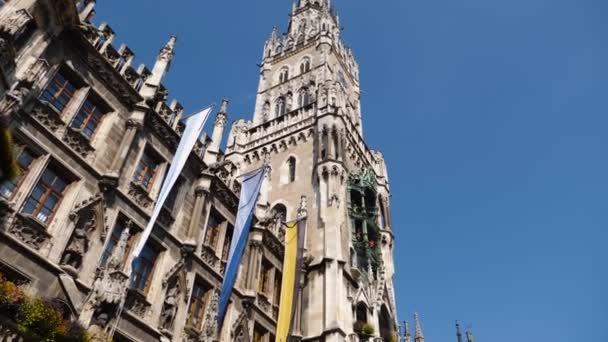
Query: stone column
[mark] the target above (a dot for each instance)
(134, 125)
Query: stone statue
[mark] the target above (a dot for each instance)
(97, 330)
(79, 244)
(169, 307)
(12, 100)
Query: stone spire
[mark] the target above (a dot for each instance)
(419, 336)
(407, 336)
(470, 336)
(163, 62)
(211, 156)
(458, 333)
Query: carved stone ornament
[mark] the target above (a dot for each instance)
(92, 211)
(161, 129)
(240, 329)
(170, 305)
(78, 142)
(139, 195)
(29, 231)
(47, 117)
(210, 331)
(136, 303)
(14, 22)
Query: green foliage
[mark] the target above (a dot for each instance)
(393, 338)
(37, 319)
(368, 329)
(8, 165)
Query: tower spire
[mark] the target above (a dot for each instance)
(458, 333)
(419, 335)
(470, 336)
(407, 336)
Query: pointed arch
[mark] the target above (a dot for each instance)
(305, 65)
(280, 106)
(291, 169)
(303, 97)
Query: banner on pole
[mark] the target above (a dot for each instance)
(192, 132)
(290, 286)
(250, 190)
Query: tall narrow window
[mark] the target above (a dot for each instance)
(87, 119)
(198, 302)
(305, 66)
(264, 281)
(24, 160)
(59, 92)
(280, 107)
(213, 229)
(284, 75)
(143, 268)
(46, 196)
(303, 98)
(227, 242)
(114, 238)
(145, 171)
(278, 278)
(291, 168)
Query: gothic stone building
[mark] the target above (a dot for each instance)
(94, 135)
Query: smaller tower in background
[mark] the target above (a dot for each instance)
(407, 336)
(419, 335)
(470, 336)
(458, 333)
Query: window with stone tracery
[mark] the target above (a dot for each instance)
(88, 117)
(146, 170)
(305, 66)
(280, 107)
(24, 158)
(198, 302)
(47, 195)
(284, 75)
(59, 92)
(303, 97)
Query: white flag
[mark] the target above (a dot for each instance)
(193, 130)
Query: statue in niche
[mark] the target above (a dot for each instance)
(79, 243)
(99, 324)
(240, 335)
(12, 100)
(170, 307)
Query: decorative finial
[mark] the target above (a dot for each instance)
(168, 51)
(419, 334)
(470, 336)
(224, 106)
(458, 333)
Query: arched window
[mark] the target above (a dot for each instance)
(303, 98)
(280, 212)
(361, 312)
(305, 66)
(284, 75)
(279, 108)
(291, 170)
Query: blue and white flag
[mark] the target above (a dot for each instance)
(192, 132)
(250, 190)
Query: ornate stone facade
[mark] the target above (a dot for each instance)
(90, 179)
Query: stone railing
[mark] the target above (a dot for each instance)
(280, 126)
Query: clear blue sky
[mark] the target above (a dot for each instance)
(493, 117)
